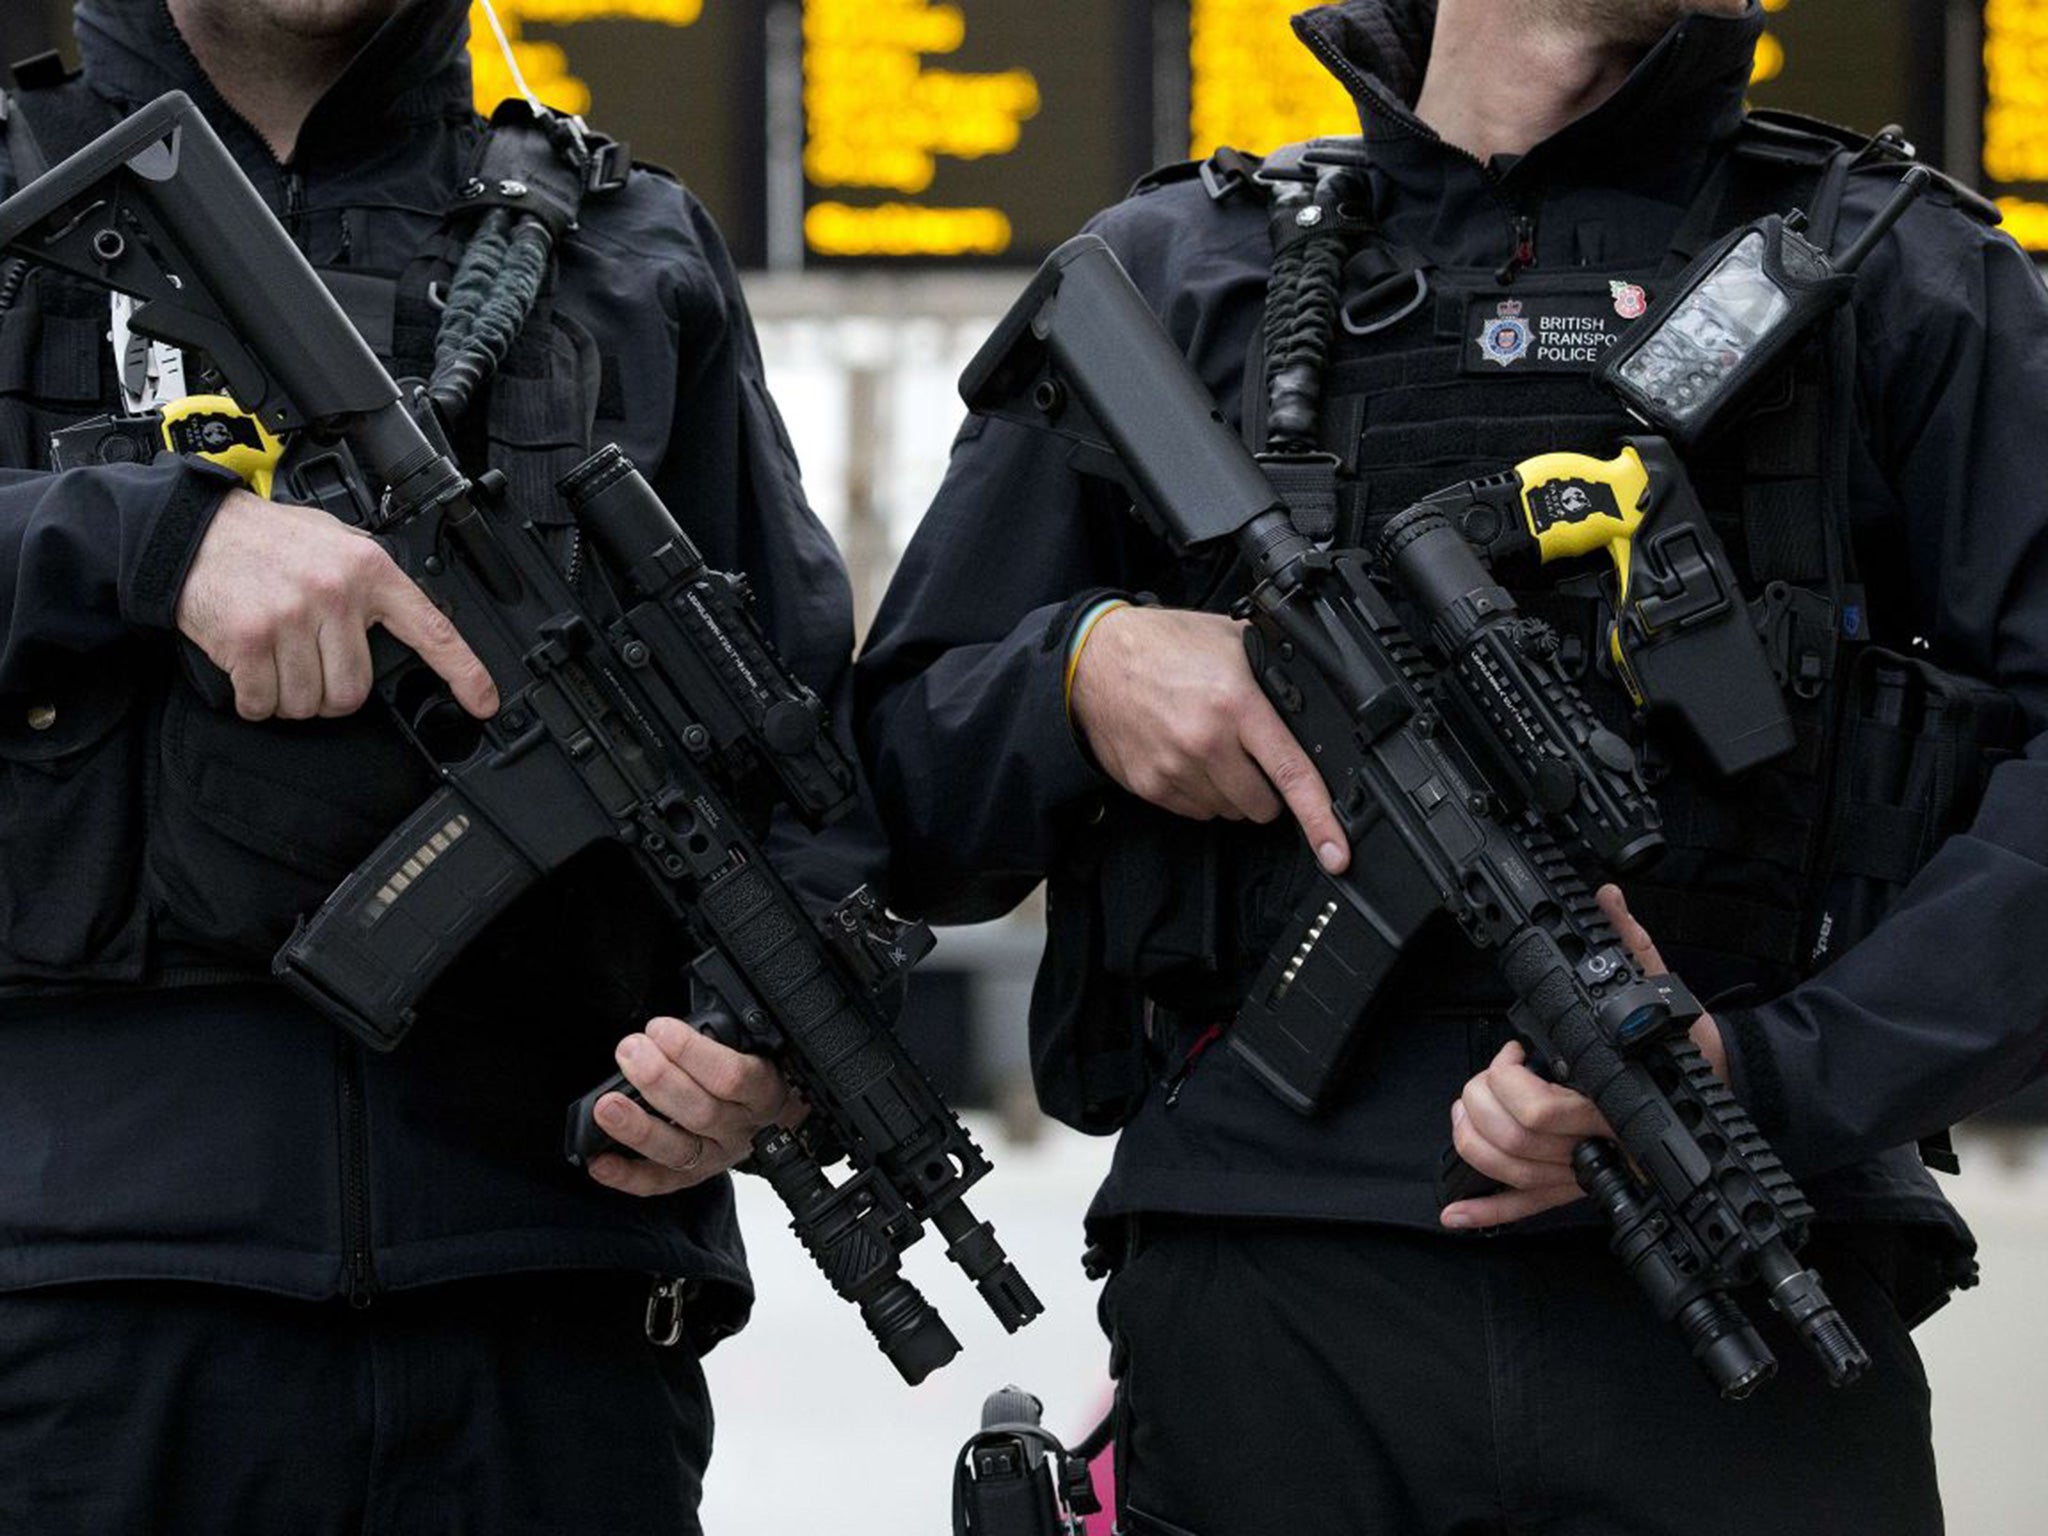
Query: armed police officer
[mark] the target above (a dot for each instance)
(257, 1278)
(1303, 1342)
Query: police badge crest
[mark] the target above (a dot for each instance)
(1505, 338)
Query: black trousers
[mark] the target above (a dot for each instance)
(507, 1407)
(1296, 1380)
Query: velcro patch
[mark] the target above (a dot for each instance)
(1538, 333)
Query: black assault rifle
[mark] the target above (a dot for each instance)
(1455, 785)
(667, 724)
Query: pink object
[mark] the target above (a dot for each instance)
(1102, 1473)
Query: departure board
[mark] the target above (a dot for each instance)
(894, 131)
(2015, 116)
(681, 81)
(984, 129)
(30, 27)
(1860, 63)
(1251, 82)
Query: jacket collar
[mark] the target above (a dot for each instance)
(413, 70)
(1686, 90)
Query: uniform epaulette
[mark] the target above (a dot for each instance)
(1944, 187)
(1794, 138)
(41, 72)
(1226, 171)
(1165, 176)
(1769, 133)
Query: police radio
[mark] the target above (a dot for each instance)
(1754, 295)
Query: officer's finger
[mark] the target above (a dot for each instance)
(1280, 757)
(1196, 807)
(1536, 1104)
(410, 616)
(345, 665)
(255, 680)
(675, 1147)
(668, 1089)
(637, 1176)
(1633, 935)
(300, 687)
(1509, 1205)
(747, 1082)
(674, 1092)
(1498, 1124)
(1239, 782)
(1498, 1162)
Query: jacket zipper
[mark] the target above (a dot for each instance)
(355, 1154)
(1521, 223)
(355, 1180)
(293, 213)
(213, 104)
(1179, 1080)
(1525, 249)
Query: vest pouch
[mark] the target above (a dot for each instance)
(1088, 1059)
(1917, 747)
(538, 423)
(71, 798)
(53, 346)
(1132, 913)
(257, 821)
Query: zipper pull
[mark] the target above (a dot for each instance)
(1525, 250)
(362, 1288)
(294, 203)
(1203, 1041)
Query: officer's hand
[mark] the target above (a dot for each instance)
(708, 1099)
(1167, 702)
(281, 598)
(1519, 1128)
(1706, 1034)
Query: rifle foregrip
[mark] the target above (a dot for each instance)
(401, 917)
(582, 1139)
(770, 941)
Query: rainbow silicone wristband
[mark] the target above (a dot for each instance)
(1081, 633)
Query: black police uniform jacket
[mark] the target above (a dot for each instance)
(168, 1111)
(988, 788)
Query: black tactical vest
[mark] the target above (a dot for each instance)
(1438, 376)
(1446, 375)
(149, 834)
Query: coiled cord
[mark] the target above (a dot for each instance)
(496, 284)
(1301, 317)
